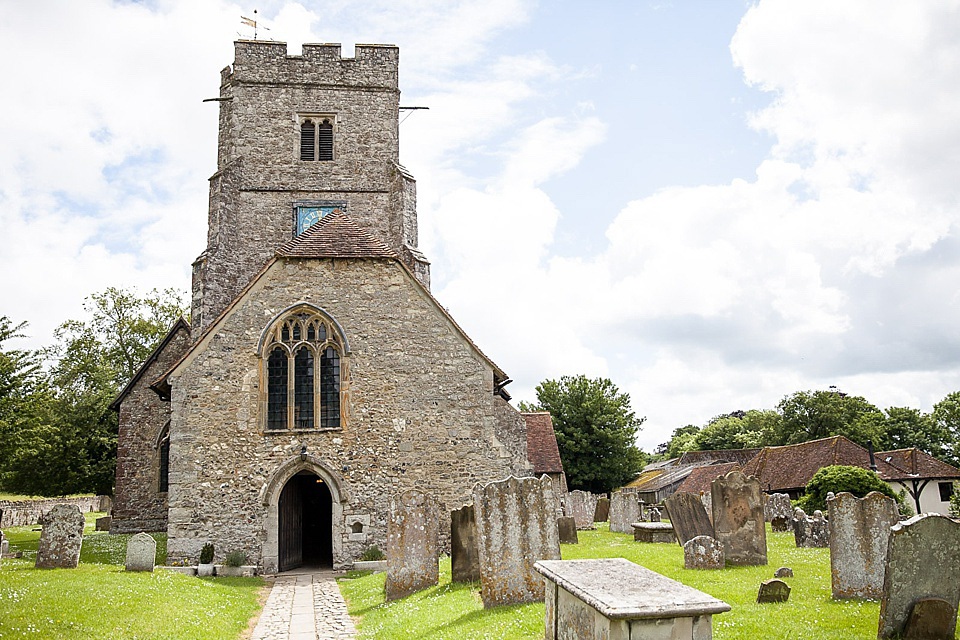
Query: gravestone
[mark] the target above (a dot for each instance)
(738, 519)
(141, 553)
(581, 506)
(922, 556)
(930, 619)
(4, 545)
(464, 554)
(773, 591)
(688, 517)
(653, 532)
(103, 523)
(624, 511)
(516, 527)
(783, 572)
(602, 514)
(412, 544)
(859, 533)
(61, 538)
(810, 532)
(703, 552)
(778, 512)
(567, 530)
(707, 501)
(653, 515)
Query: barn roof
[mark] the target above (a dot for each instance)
(740, 456)
(918, 464)
(700, 478)
(542, 450)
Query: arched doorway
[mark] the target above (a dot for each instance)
(305, 522)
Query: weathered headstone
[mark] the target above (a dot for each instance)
(922, 556)
(859, 533)
(4, 545)
(930, 619)
(703, 552)
(464, 554)
(738, 519)
(783, 572)
(778, 512)
(103, 523)
(567, 530)
(707, 501)
(688, 517)
(602, 514)
(624, 511)
(581, 506)
(412, 544)
(516, 527)
(61, 538)
(141, 553)
(653, 515)
(810, 532)
(773, 591)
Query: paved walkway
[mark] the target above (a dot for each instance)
(305, 606)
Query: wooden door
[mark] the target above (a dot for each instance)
(291, 526)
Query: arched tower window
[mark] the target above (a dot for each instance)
(316, 138)
(296, 396)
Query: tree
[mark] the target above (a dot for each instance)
(906, 427)
(737, 430)
(837, 478)
(946, 417)
(811, 415)
(680, 441)
(596, 431)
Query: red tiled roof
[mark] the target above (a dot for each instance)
(335, 235)
(740, 456)
(542, 450)
(792, 466)
(918, 463)
(700, 478)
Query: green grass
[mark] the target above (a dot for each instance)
(456, 611)
(101, 600)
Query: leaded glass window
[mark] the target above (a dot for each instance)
(277, 389)
(330, 388)
(303, 388)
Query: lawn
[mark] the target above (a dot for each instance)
(456, 612)
(101, 600)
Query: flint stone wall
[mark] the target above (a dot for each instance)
(412, 544)
(859, 534)
(624, 511)
(516, 527)
(61, 538)
(23, 513)
(738, 519)
(922, 556)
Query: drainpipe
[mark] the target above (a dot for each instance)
(873, 462)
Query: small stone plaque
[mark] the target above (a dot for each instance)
(567, 528)
(930, 619)
(773, 591)
(783, 572)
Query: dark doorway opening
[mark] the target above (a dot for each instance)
(306, 523)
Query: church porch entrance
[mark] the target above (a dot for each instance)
(305, 523)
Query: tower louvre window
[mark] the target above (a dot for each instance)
(325, 141)
(316, 138)
(308, 140)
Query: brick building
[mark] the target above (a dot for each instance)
(319, 376)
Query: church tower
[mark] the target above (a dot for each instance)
(301, 137)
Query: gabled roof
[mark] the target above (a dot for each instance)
(657, 479)
(700, 478)
(740, 456)
(335, 235)
(542, 450)
(177, 326)
(918, 464)
(792, 466)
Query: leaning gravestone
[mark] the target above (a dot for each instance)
(738, 518)
(141, 553)
(581, 506)
(61, 538)
(688, 517)
(703, 552)
(624, 511)
(773, 591)
(567, 530)
(516, 527)
(778, 512)
(464, 555)
(602, 514)
(412, 544)
(810, 532)
(922, 556)
(859, 533)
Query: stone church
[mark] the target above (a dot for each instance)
(318, 376)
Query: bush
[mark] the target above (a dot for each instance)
(955, 501)
(372, 553)
(206, 554)
(236, 559)
(839, 478)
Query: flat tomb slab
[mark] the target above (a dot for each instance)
(653, 532)
(620, 589)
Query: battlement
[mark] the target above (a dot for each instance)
(257, 61)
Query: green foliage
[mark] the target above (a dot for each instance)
(206, 553)
(811, 415)
(371, 554)
(955, 501)
(946, 417)
(596, 431)
(837, 478)
(235, 559)
(682, 440)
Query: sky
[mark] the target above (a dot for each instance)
(714, 204)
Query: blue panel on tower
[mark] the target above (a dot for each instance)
(307, 215)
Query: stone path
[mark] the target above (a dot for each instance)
(305, 606)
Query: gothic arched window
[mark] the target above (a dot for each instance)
(299, 395)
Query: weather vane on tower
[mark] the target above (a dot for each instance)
(252, 22)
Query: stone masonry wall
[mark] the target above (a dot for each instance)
(21, 513)
(138, 503)
(419, 411)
